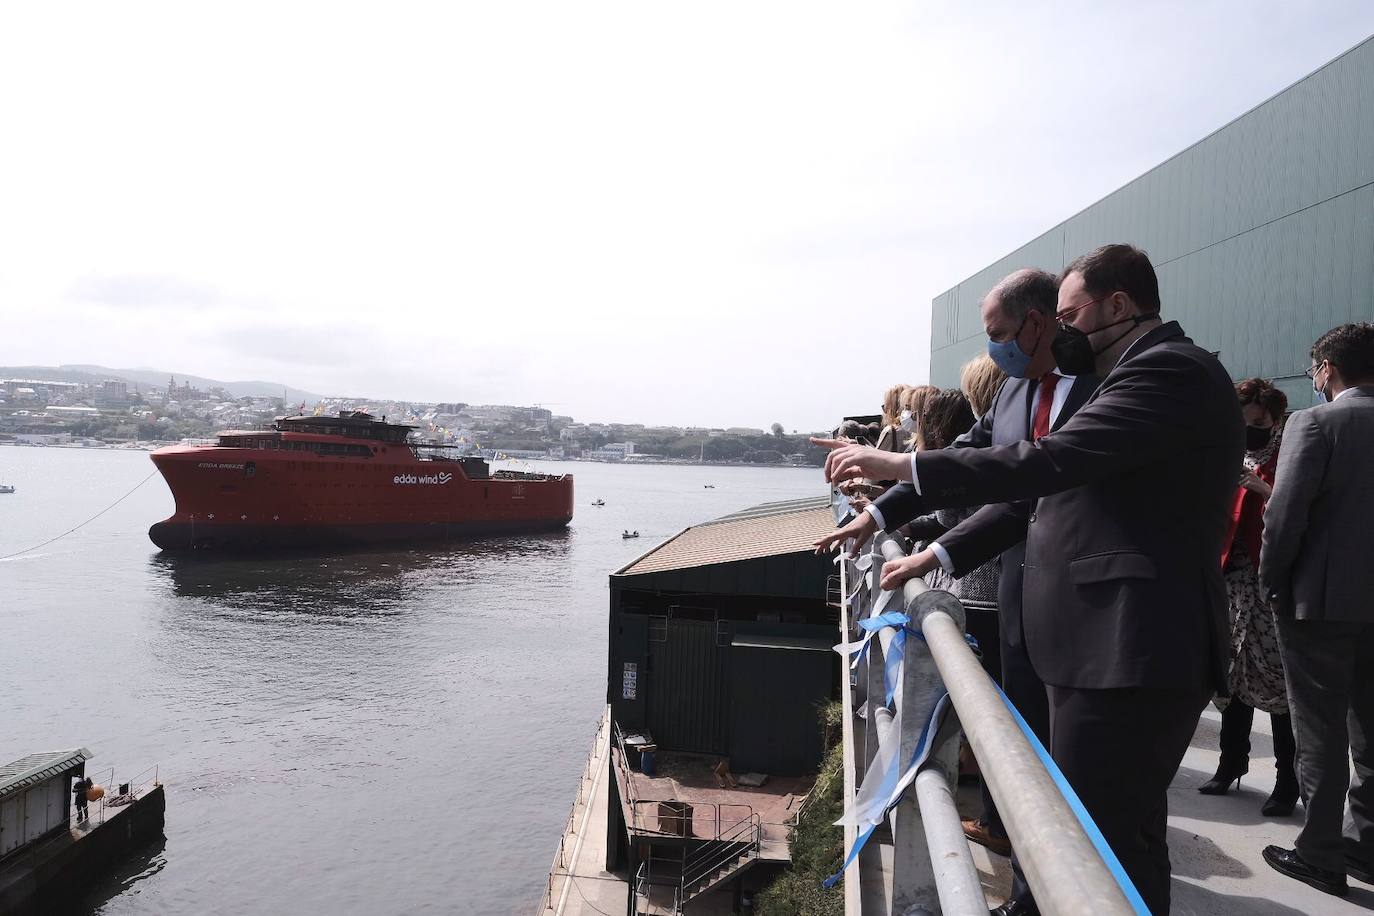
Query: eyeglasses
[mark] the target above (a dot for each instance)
(1060, 316)
(1311, 371)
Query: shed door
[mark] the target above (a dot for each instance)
(690, 695)
(58, 801)
(11, 820)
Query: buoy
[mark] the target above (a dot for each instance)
(95, 793)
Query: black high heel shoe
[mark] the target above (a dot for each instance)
(1226, 774)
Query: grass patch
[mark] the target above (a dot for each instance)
(817, 845)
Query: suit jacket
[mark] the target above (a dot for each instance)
(1122, 586)
(998, 528)
(1315, 558)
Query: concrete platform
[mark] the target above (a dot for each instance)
(579, 885)
(1215, 842)
(689, 778)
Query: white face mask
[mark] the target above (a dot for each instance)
(908, 424)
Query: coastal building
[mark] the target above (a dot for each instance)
(1261, 233)
(720, 663)
(612, 451)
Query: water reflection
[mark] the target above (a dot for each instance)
(342, 584)
(139, 865)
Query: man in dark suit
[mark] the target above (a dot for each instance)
(1018, 316)
(1314, 565)
(1124, 607)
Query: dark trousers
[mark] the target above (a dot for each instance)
(1027, 693)
(1119, 749)
(1236, 721)
(1329, 670)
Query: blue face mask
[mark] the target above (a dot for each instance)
(1009, 356)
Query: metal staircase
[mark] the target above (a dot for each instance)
(666, 886)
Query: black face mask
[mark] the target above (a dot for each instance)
(1073, 351)
(1257, 437)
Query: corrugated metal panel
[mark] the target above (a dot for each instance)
(34, 768)
(738, 539)
(775, 719)
(689, 689)
(1260, 232)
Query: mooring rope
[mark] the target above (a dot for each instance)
(59, 537)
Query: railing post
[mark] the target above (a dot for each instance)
(914, 885)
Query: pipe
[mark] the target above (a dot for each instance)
(1061, 864)
(956, 877)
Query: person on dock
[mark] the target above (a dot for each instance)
(79, 789)
(1314, 567)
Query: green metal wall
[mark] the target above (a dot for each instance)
(1262, 233)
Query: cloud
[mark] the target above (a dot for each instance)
(142, 291)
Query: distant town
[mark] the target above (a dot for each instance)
(65, 408)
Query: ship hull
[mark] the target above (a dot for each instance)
(255, 499)
(181, 536)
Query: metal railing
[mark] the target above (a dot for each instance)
(113, 798)
(699, 868)
(931, 868)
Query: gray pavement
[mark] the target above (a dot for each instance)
(1215, 841)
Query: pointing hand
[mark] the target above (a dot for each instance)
(859, 530)
(848, 460)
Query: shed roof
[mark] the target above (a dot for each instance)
(766, 530)
(35, 768)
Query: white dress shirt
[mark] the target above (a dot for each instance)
(1061, 395)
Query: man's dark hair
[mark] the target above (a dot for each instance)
(945, 417)
(1350, 348)
(1113, 268)
(1025, 290)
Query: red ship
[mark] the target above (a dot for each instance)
(345, 480)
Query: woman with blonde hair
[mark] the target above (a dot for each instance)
(915, 401)
(895, 420)
(979, 379)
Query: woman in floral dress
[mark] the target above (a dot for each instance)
(1255, 676)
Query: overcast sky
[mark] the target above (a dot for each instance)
(697, 213)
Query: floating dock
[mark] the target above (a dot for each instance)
(48, 859)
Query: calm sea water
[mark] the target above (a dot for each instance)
(371, 733)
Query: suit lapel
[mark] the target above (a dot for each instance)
(1083, 388)
(1023, 417)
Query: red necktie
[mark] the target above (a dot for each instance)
(1041, 425)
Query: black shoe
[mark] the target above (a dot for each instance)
(1359, 872)
(1017, 906)
(1288, 862)
(1226, 774)
(1280, 802)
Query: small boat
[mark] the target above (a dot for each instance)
(630, 534)
(708, 486)
(598, 502)
(6, 488)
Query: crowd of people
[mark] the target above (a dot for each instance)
(1136, 536)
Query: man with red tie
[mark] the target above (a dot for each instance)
(1018, 316)
(1124, 607)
